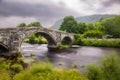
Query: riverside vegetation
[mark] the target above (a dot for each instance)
(109, 69)
(105, 33)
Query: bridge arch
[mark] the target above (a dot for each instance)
(67, 40)
(3, 47)
(49, 37)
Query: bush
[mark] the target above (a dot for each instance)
(101, 42)
(78, 39)
(45, 71)
(109, 69)
(16, 68)
(94, 73)
(93, 34)
(63, 47)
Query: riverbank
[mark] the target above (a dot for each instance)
(98, 42)
(13, 70)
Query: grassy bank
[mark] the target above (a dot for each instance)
(80, 40)
(13, 70)
(109, 69)
(101, 42)
(45, 71)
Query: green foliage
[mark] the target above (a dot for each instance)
(93, 34)
(101, 42)
(16, 68)
(45, 71)
(35, 39)
(31, 38)
(78, 39)
(69, 24)
(34, 24)
(21, 25)
(94, 73)
(90, 26)
(63, 47)
(81, 28)
(112, 26)
(109, 69)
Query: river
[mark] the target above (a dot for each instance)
(80, 56)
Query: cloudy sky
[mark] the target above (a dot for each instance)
(13, 12)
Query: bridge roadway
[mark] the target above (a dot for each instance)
(12, 38)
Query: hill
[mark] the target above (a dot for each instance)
(85, 19)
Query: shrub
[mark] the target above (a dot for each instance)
(45, 71)
(94, 73)
(78, 39)
(93, 34)
(101, 42)
(111, 67)
(16, 68)
(63, 47)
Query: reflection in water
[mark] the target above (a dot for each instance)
(82, 55)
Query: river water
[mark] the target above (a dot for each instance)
(80, 56)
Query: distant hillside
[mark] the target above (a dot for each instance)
(86, 19)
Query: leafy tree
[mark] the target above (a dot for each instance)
(21, 25)
(112, 26)
(69, 24)
(34, 24)
(90, 26)
(81, 27)
(99, 26)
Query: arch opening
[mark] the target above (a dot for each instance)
(49, 38)
(3, 48)
(35, 39)
(66, 41)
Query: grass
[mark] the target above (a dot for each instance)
(98, 42)
(102, 42)
(45, 71)
(61, 47)
(13, 70)
(108, 70)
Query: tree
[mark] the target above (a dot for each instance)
(81, 27)
(90, 26)
(34, 24)
(21, 25)
(69, 24)
(112, 26)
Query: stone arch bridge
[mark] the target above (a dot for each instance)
(12, 38)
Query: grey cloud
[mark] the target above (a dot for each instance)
(34, 10)
(45, 13)
(109, 3)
